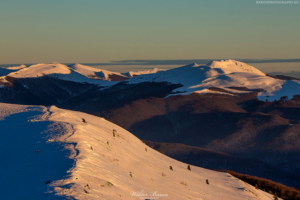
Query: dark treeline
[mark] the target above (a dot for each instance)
(284, 192)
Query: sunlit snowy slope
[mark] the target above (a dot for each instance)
(75, 73)
(225, 74)
(56, 70)
(50, 153)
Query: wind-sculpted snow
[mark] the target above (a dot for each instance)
(51, 153)
(223, 74)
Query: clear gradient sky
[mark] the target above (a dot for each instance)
(94, 31)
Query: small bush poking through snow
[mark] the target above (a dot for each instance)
(207, 182)
(83, 120)
(171, 168)
(146, 149)
(275, 196)
(114, 132)
(183, 183)
(282, 191)
(109, 184)
(189, 167)
(162, 151)
(130, 174)
(163, 174)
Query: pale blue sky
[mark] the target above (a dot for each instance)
(94, 31)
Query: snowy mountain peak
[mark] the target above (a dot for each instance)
(79, 73)
(96, 73)
(41, 70)
(231, 66)
(223, 74)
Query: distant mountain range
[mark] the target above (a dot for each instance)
(229, 76)
(248, 118)
(294, 74)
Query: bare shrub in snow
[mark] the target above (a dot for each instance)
(189, 167)
(183, 183)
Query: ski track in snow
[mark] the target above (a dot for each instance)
(85, 161)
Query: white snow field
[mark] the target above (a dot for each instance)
(223, 74)
(80, 160)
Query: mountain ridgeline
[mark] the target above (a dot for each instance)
(223, 115)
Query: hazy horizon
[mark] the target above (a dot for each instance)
(101, 31)
(283, 67)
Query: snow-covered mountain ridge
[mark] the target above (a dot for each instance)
(232, 77)
(75, 73)
(52, 153)
(225, 74)
(95, 73)
(59, 71)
